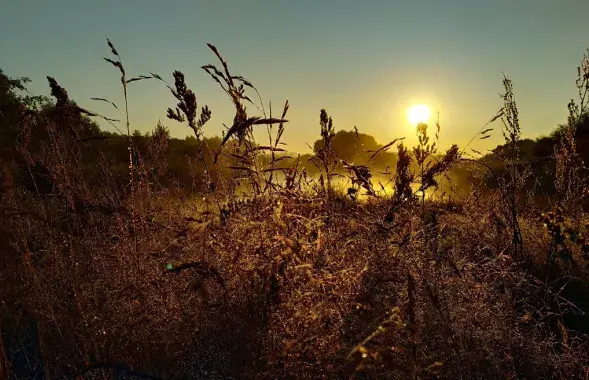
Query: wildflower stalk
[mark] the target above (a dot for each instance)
(512, 136)
(119, 64)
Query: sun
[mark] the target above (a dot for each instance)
(419, 113)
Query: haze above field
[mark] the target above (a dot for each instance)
(365, 62)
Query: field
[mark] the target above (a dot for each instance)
(226, 257)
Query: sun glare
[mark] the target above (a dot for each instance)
(419, 113)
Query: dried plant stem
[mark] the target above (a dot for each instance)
(118, 63)
(512, 135)
(131, 166)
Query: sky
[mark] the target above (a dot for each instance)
(365, 62)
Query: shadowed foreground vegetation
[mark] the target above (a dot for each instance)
(226, 257)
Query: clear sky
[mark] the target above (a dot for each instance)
(364, 61)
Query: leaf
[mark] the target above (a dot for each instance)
(387, 146)
(214, 70)
(485, 137)
(243, 80)
(476, 151)
(487, 131)
(141, 77)
(80, 110)
(115, 64)
(269, 121)
(229, 79)
(499, 114)
(285, 109)
(272, 149)
(214, 49)
(112, 47)
(107, 101)
(215, 77)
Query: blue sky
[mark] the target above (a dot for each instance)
(364, 61)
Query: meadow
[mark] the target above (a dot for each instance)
(140, 255)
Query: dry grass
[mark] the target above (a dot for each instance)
(298, 281)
